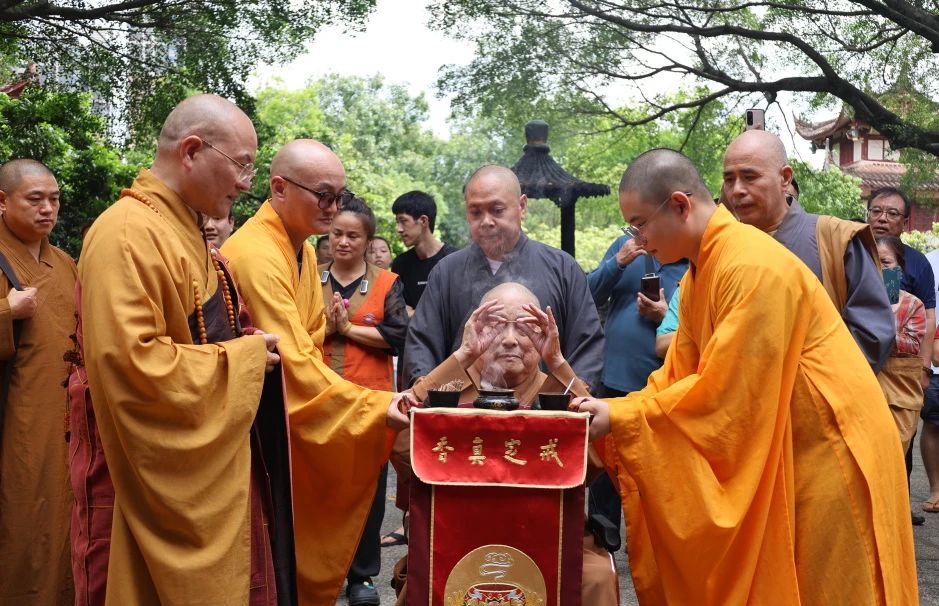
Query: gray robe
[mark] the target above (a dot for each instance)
(458, 283)
(867, 311)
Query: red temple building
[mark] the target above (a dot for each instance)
(858, 149)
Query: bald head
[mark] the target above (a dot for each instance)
(206, 116)
(511, 292)
(303, 158)
(493, 173)
(13, 172)
(302, 173)
(762, 143)
(756, 179)
(655, 174)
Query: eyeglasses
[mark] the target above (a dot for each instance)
(635, 231)
(325, 199)
(875, 211)
(247, 170)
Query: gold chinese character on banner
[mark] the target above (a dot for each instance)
(443, 449)
(549, 451)
(511, 450)
(477, 458)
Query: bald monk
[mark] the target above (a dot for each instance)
(341, 434)
(500, 252)
(760, 464)
(176, 380)
(35, 500)
(503, 342)
(840, 253)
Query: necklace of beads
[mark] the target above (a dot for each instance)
(223, 282)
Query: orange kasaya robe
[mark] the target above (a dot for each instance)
(339, 439)
(35, 498)
(760, 464)
(173, 415)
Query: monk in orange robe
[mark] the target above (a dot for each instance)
(35, 499)
(760, 464)
(175, 385)
(340, 433)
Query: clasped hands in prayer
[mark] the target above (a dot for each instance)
(337, 315)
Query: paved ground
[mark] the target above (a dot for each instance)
(927, 548)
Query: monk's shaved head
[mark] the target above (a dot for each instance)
(655, 174)
(757, 176)
(762, 143)
(302, 173)
(508, 290)
(207, 116)
(494, 172)
(303, 157)
(12, 173)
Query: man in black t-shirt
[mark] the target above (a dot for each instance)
(415, 213)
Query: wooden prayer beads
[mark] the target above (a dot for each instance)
(223, 282)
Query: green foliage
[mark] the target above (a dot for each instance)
(923, 241)
(143, 57)
(579, 55)
(377, 129)
(60, 130)
(829, 191)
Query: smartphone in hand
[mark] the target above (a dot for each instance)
(649, 286)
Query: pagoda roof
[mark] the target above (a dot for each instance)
(819, 131)
(875, 174)
(14, 89)
(542, 177)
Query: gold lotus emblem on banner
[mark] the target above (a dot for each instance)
(495, 575)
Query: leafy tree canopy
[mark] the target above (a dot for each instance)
(60, 130)
(851, 52)
(143, 56)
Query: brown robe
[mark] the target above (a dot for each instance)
(35, 499)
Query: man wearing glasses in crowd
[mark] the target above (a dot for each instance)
(340, 433)
(888, 209)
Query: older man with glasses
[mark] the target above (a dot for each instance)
(340, 433)
(177, 383)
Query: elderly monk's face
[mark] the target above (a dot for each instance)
(32, 208)
(754, 188)
(219, 170)
(512, 357)
(494, 212)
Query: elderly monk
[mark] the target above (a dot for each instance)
(840, 253)
(503, 342)
(765, 429)
(340, 434)
(35, 499)
(500, 252)
(176, 387)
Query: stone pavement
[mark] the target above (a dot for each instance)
(927, 547)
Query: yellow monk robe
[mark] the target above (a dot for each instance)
(173, 416)
(35, 497)
(760, 464)
(338, 435)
